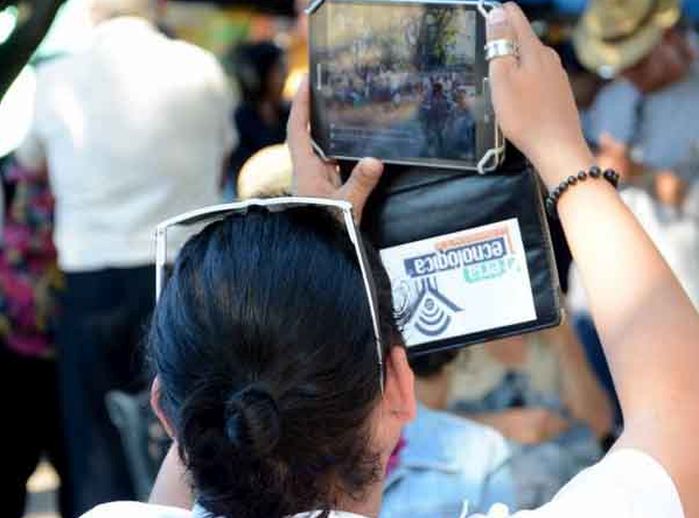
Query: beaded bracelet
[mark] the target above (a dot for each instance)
(594, 172)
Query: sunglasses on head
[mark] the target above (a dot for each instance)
(206, 215)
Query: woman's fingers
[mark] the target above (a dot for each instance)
(499, 28)
(313, 176)
(546, 128)
(502, 68)
(297, 127)
(529, 43)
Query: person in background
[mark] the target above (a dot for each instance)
(461, 129)
(644, 125)
(29, 281)
(267, 173)
(445, 463)
(132, 129)
(434, 113)
(260, 69)
(539, 392)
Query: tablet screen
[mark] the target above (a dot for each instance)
(398, 82)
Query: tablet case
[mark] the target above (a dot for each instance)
(415, 203)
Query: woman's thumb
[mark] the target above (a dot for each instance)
(361, 183)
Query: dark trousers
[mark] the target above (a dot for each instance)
(30, 428)
(100, 332)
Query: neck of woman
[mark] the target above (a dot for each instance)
(369, 505)
(369, 502)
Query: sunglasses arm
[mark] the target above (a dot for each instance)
(160, 260)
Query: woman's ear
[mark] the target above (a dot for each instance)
(399, 392)
(155, 399)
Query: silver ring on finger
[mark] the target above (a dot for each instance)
(501, 48)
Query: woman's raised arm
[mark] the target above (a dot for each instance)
(648, 326)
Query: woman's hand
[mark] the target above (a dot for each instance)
(670, 188)
(315, 178)
(533, 99)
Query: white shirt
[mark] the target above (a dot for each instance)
(674, 231)
(625, 484)
(134, 129)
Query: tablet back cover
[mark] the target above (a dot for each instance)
(469, 256)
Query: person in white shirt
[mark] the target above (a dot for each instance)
(256, 365)
(133, 128)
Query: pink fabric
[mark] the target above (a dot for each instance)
(28, 270)
(394, 459)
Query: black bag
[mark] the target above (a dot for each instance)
(415, 203)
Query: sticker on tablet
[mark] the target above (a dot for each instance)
(461, 283)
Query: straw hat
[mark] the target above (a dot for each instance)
(614, 35)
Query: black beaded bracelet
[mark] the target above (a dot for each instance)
(594, 172)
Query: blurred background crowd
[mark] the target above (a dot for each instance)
(110, 122)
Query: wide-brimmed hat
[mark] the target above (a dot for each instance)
(614, 35)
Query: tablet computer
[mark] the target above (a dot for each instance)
(403, 81)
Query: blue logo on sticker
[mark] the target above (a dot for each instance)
(456, 258)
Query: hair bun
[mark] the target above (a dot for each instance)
(252, 421)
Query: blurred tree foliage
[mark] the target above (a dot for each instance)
(437, 32)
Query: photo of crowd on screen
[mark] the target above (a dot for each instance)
(404, 83)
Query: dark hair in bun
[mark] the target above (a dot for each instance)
(263, 343)
(252, 421)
